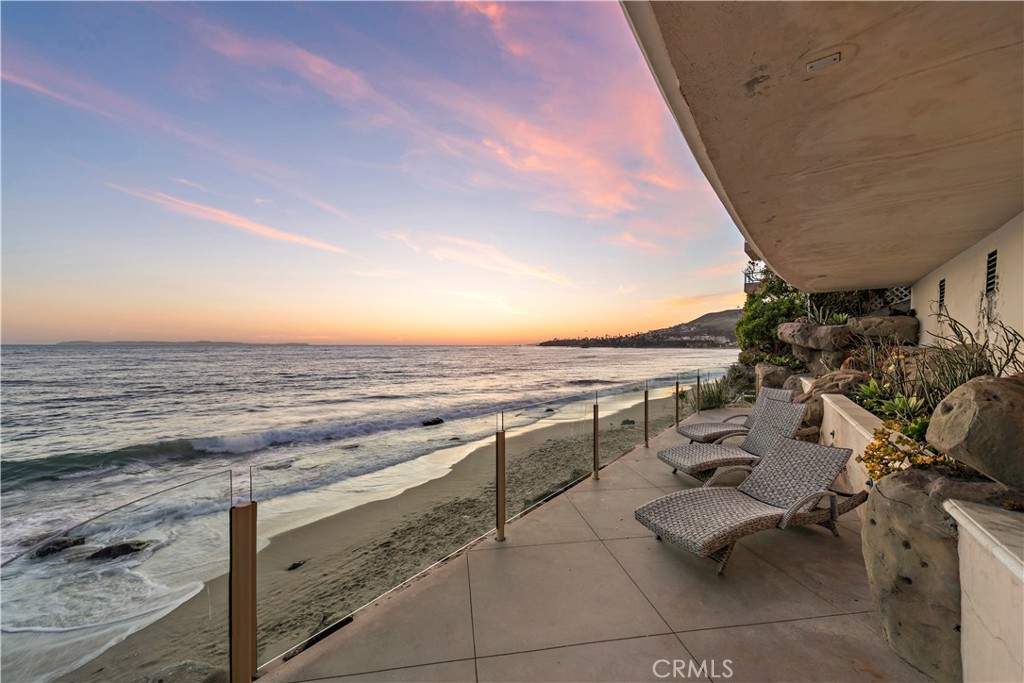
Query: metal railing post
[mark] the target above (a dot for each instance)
(647, 419)
(698, 392)
(499, 476)
(677, 403)
(242, 593)
(597, 427)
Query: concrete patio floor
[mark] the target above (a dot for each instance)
(580, 591)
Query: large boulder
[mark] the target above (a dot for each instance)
(901, 328)
(797, 333)
(769, 375)
(839, 382)
(910, 552)
(832, 338)
(814, 336)
(981, 424)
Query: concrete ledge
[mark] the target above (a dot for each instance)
(846, 425)
(991, 551)
(1000, 532)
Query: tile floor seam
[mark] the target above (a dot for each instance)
(580, 644)
(640, 474)
(472, 618)
(624, 570)
(533, 545)
(378, 671)
(765, 623)
(790, 576)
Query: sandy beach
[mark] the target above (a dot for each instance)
(315, 575)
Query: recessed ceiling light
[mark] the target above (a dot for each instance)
(824, 62)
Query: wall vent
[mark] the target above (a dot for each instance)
(990, 273)
(942, 293)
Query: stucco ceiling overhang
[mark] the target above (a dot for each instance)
(869, 171)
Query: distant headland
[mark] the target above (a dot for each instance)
(709, 331)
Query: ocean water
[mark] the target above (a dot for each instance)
(310, 429)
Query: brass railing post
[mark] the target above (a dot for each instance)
(499, 476)
(242, 593)
(597, 428)
(677, 402)
(647, 420)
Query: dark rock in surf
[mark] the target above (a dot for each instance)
(58, 545)
(432, 423)
(296, 565)
(119, 550)
(628, 422)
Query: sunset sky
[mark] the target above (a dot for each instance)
(346, 173)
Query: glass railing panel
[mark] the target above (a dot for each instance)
(548, 446)
(710, 389)
(661, 405)
(128, 595)
(340, 526)
(621, 423)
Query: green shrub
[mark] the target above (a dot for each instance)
(757, 330)
(714, 394)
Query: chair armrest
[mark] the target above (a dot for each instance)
(740, 431)
(728, 419)
(722, 471)
(815, 497)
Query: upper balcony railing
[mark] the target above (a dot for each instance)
(753, 276)
(185, 577)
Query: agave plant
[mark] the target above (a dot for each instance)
(873, 394)
(838, 318)
(903, 408)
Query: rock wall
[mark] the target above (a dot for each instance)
(823, 348)
(840, 382)
(910, 552)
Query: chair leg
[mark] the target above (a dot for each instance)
(831, 526)
(722, 556)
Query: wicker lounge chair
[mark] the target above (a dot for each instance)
(784, 490)
(776, 419)
(706, 432)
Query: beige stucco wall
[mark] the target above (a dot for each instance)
(991, 550)
(846, 425)
(965, 284)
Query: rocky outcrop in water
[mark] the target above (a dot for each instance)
(58, 545)
(119, 550)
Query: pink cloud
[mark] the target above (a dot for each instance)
(30, 71)
(494, 12)
(475, 254)
(631, 241)
(732, 298)
(732, 267)
(215, 215)
(590, 144)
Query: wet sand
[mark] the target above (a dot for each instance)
(348, 559)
